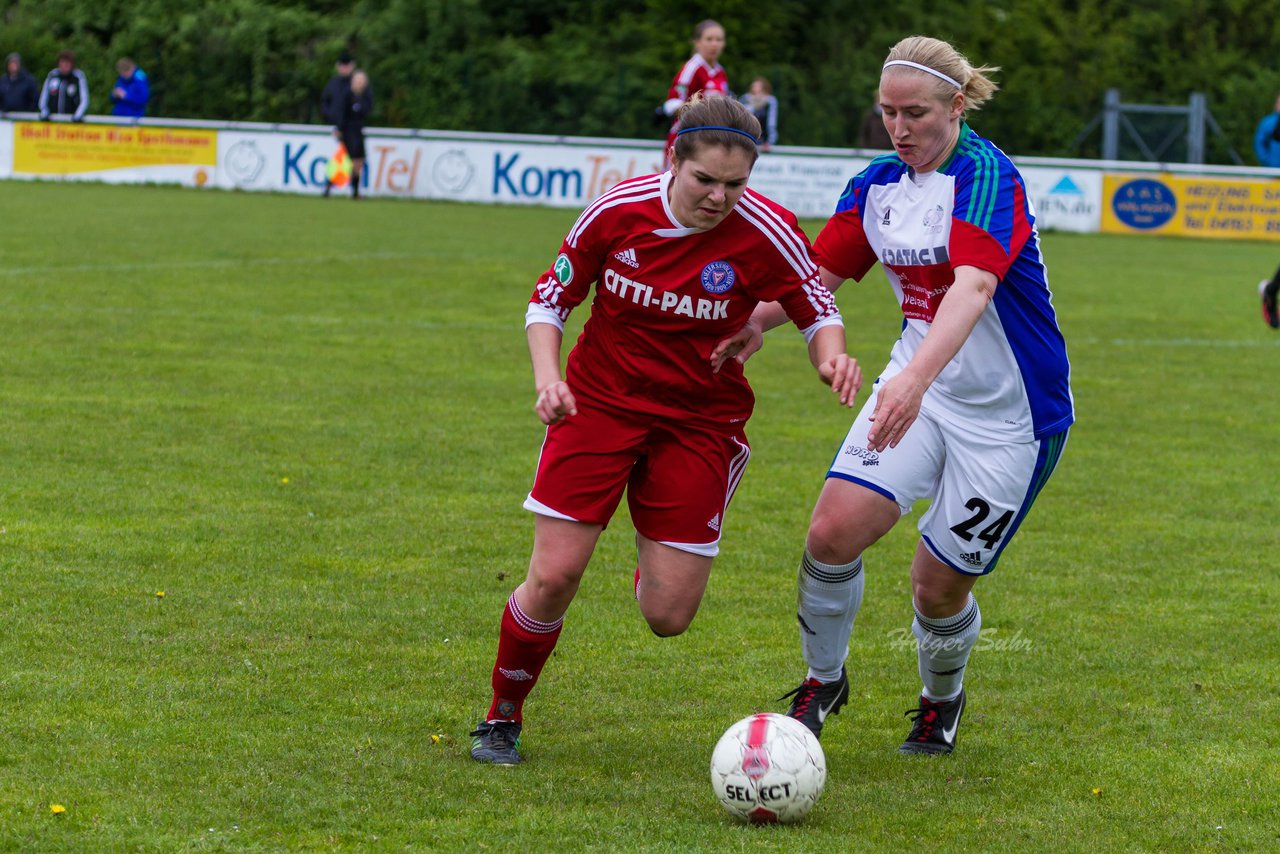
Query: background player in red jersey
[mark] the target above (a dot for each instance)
(680, 259)
(701, 74)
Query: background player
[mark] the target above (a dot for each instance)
(763, 104)
(701, 74)
(1268, 289)
(973, 408)
(680, 260)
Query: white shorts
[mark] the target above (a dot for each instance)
(981, 487)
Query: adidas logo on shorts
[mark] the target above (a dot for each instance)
(972, 558)
(628, 257)
(714, 523)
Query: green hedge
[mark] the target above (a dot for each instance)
(599, 68)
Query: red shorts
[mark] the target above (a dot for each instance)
(679, 479)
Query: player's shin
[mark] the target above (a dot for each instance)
(524, 645)
(943, 645)
(829, 599)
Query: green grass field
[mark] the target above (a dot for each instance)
(260, 484)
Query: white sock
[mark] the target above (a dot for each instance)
(943, 645)
(829, 599)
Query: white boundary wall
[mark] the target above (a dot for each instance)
(558, 171)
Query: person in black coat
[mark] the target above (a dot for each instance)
(335, 91)
(356, 105)
(19, 92)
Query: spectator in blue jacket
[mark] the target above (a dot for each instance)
(131, 91)
(1266, 140)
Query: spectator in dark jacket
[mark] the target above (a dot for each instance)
(65, 91)
(872, 133)
(19, 92)
(132, 90)
(334, 98)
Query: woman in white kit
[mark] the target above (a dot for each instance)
(973, 408)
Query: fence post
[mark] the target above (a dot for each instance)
(1197, 108)
(1111, 125)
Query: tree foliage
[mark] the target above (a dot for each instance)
(600, 67)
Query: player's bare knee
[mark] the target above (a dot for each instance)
(829, 542)
(551, 588)
(938, 602)
(668, 625)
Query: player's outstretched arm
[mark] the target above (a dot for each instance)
(898, 401)
(835, 367)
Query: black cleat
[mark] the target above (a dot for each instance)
(814, 700)
(1269, 312)
(933, 729)
(496, 742)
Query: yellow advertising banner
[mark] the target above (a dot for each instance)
(1196, 207)
(56, 148)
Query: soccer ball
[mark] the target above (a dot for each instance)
(768, 768)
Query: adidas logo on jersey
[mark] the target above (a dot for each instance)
(628, 257)
(714, 523)
(972, 558)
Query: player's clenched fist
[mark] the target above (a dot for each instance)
(555, 401)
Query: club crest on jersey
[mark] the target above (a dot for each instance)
(563, 269)
(718, 277)
(933, 219)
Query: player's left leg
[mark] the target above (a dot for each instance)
(946, 627)
(357, 170)
(984, 492)
(674, 581)
(678, 495)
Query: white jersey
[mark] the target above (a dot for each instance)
(1010, 379)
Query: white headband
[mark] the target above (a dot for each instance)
(926, 69)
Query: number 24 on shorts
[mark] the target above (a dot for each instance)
(991, 534)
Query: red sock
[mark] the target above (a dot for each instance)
(524, 645)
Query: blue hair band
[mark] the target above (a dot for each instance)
(749, 136)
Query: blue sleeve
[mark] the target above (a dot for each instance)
(849, 198)
(140, 92)
(1264, 139)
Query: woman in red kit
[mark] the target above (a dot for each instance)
(679, 259)
(701, 74)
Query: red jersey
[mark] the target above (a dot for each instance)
(696, 75)
(667, 294)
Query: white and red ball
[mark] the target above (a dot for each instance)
(768, 768)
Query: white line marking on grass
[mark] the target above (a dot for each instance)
(1178, 342)
(301, 260)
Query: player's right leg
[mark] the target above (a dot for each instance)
(1267, 290)
(865, 494)
(582, 471)
(530, 627)
(847, 519)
